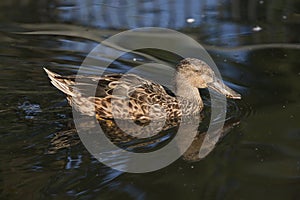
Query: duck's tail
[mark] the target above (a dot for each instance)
(62, 83)
(76, 99)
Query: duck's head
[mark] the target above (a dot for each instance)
(198, 74)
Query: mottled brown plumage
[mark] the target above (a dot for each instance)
(134, 98)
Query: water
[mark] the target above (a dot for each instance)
(257, 159)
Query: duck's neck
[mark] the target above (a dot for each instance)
(185, 90)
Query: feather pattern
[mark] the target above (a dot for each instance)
(131, 97)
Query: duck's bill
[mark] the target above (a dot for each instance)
(220, 87)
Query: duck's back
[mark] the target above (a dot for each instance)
(123, 96)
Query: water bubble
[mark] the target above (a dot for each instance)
(190, 20)
(30, 109)
(257, 28)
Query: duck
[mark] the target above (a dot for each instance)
(132, 97)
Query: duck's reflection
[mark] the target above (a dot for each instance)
(202, 144)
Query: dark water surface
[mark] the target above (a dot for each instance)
(256, 46)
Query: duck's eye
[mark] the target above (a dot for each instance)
(196, 70)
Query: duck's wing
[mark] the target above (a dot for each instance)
(133, 97)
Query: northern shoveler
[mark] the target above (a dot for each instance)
(139, 99)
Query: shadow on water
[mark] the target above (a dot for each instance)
(255, 46)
